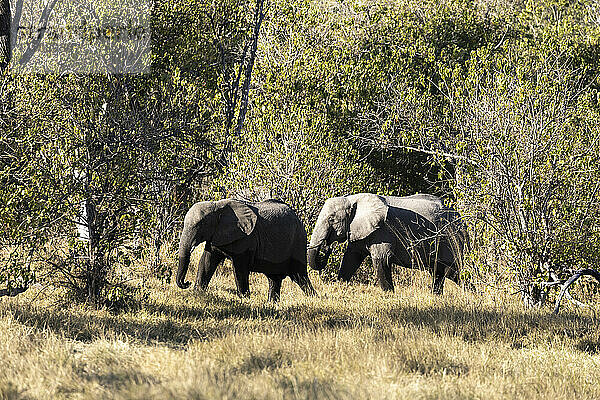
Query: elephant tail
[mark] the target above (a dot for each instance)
(461, 245)
(302, 280)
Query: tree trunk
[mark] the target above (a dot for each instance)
(156, 262)
(5, 47)
(96, 271)
(259, 16)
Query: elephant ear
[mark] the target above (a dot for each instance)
(369, 213)
(236, 221)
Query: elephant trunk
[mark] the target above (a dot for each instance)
(311, 259)
(185, 247)
(318, 250)
(317, 257)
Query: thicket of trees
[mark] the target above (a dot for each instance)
(491, 104)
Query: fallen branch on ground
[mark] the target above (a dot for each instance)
(565, 287)
(12, 292)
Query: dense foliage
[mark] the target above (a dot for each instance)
(490, 104)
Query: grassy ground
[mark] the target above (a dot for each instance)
(352, 342)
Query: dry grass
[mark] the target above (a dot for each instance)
(351, 342)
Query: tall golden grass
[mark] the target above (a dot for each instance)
(350, 342)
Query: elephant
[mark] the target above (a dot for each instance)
(412, 231)
(266, 237)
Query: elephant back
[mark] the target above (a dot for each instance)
(448, 222)
(280, 234)
(426, 205)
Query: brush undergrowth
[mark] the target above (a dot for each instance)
(351, 342)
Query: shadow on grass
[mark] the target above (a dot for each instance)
(267, 360)
(477, 325)
(86, 327)
(176, 324)
(211, 305)
(151, 323)
(516, 329)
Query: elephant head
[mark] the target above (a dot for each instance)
(218, 222)
(344, 218)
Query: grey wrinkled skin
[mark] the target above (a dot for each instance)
(266, 237)
(416, 231)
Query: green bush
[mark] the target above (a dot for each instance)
(489, 104)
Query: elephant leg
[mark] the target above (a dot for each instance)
(241, 269)
(452, 273)
(302, 280)
(274, 287)
(350, 263)
(209, 262)
(439, 275)
(384, 273)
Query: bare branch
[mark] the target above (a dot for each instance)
(16, 22)
(438, 153)
(259, 15)
(565, 288)
(35, 44)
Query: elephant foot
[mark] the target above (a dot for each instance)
(438, 287)
(438, 290)
(384, 274)
(387, 288)
(309, 290)
(200, 288)
(303, 281)
(274, 287)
